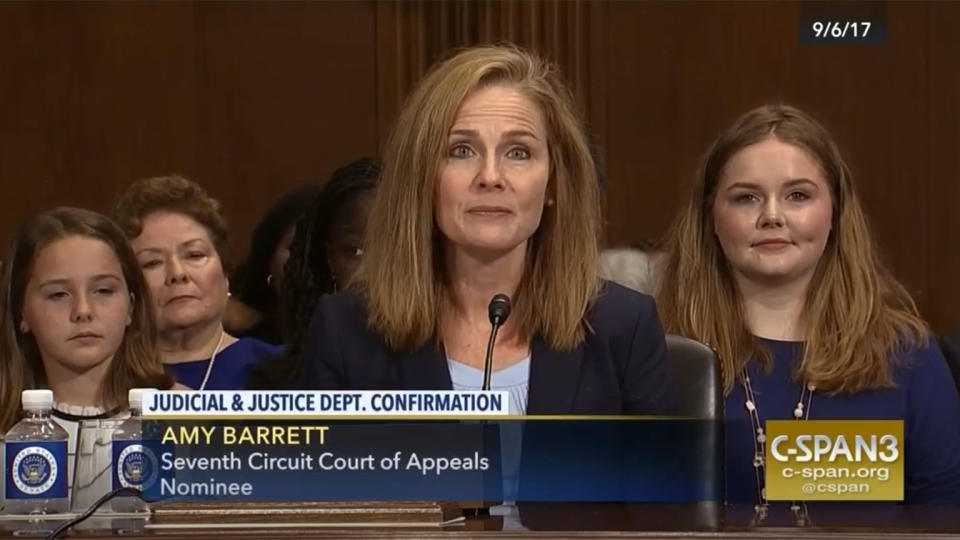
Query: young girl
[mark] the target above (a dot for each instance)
(773, 265)
(76, 319)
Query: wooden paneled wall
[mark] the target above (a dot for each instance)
(249, 98)
(255, 98)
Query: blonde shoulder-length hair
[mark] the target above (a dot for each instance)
(402, 273)
(858, 317)
(136, 363)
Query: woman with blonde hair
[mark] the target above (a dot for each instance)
(772, 264)
(489, 187)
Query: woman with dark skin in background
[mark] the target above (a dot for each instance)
(324, 253)
(256, 307)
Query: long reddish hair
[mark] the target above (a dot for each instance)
(856, 313)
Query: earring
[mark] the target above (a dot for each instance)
(550, 202)
(269, 280)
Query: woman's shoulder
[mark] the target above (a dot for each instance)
(346, 303)
(613, 296)
(920, 371)
(340, 322)
(344, 313)
(617, 306)
(920, 360)
(253, 349)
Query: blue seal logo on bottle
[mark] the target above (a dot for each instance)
(135, 466)
(36, 470)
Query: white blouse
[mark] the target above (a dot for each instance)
(89, 451)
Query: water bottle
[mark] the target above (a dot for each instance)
(134, 464)
(36, 459)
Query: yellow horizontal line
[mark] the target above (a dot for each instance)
(371, 418)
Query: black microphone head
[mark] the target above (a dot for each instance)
(499, 309)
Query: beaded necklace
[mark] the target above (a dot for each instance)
(801, 412)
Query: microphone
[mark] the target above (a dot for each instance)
(499, 310)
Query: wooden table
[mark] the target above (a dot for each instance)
(585, 520)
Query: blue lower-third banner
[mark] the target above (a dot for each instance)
(635, 460)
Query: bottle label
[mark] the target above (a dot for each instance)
(134, 465)
(36, 470)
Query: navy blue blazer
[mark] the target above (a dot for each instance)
(621, 368)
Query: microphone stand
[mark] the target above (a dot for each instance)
(499, 310)
(488, 360)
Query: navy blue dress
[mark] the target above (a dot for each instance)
(924, 398)
(230, 369)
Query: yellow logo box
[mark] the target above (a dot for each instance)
(834, 460)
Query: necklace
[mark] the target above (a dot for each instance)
(801, 412)
(213, 357)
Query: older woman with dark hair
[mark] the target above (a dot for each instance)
(489, 187)
(179, 236)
